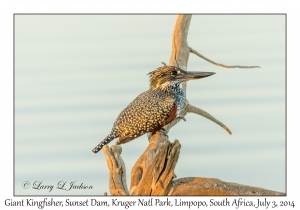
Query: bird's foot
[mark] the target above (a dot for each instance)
(163, 131)
(116, 148)
(182, 118)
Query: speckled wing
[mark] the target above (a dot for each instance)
(148, 112)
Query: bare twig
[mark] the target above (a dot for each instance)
(196, 110)
(218, 64)
(192, 109)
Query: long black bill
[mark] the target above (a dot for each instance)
(190, 75)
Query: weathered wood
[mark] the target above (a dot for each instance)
(117, 170)
(180, 49)
(211, 187)
(154, 170)
(153, 174)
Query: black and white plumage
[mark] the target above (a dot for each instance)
(154, 108)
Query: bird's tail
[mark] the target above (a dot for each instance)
(108, 139)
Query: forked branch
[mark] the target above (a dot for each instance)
(153, 173)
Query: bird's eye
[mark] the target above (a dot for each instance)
(174, 73)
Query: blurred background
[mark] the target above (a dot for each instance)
(75, 73)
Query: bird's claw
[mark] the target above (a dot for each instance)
(163, 130)
(182, 118)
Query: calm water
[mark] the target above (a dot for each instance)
(74, 74)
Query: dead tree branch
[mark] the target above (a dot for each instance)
(153, 173)
(218, 64)
(117, 170)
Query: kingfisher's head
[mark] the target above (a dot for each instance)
(170, 75)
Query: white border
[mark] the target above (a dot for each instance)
(8, 8)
